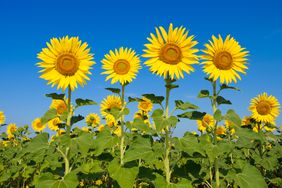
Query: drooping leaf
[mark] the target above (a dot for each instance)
(224, 86)
(221, 100)
(179, 104)
(75, 119)
(84, 102)
(155, 99)
(193, 115)
(56, 96)
(204, 94)
(50, 114)
(113, 90)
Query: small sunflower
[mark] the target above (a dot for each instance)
(93, 120)
(246, 121)
(85, 129)
(101, 128)
(108, 103)
(264, 108)
(121, 66)
(37, 125)
(65, 62)
(207, 121)
(118, 131)
(171, 53)
(220, 130)
(223, 60)
(145, 105)
(2, 118)
(11, 128)
(59, 105)
(61, 132)
(53, 124)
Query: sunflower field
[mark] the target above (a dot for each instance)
(115, 151)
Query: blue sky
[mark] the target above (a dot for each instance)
(27, 25)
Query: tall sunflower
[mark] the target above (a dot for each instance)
(264, 108)
(37, 125)
(108, 103)
(65, 62)
(223, 60)
(122, 65)
(2, 118)
(171, 53)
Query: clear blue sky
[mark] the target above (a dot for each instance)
(27, 25)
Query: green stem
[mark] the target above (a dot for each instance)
(167, 135)
(67, 164)
(214, 107)
(122, 149)
(69, 112)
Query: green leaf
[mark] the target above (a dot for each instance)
(75, 119)
(250, 177)
(56, 96)
(84, 102)
(125, 176)
(47, 180)
(189, 144)
(220, 100)
(104, 140)
(217, 115)
(193, 115)
(135, 99)
(40, 142)
(140, 148)
(140, 125)
(84, 142)
(179, 104)
(233, 118)
(50, 114)
(224, 86)
(204, 94)
(155, 99)
(113, 90)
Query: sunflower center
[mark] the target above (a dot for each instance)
(206, 121)
(144, 105)
(263, 108)
(67, 64)
(121, 66)
(171, 54)
(223, 60)
(61, 109)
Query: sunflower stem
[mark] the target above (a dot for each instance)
(122, 150)
(69, 112)
(167, 134)
(214, 107)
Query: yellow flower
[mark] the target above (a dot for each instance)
(4, 143)
(65, 62)
(53, 124)
(207, 121)
(101, 128)
(269, 129)
(37, 125)
(85, 129)
(223, 60)
(121, 66)
(92, 120)
(229, 125)
(2, 118)
(171, 53)
(11, 128)
(118, 131)
(98, 182)
(108, 103)
(264, 108)
(256, 128)
(59, 105)
(246, 121)
(60, 132)
(145, 105)
(220, 130)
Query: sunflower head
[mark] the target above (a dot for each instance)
(223, 60)
(11, 128)
(59, 105)
(121, 66)
(101, 128)
(37, 125)
(171, 52)
(145, 105)
(61, 132)
(109, 103)
(265, 108)
(206, 122)
(92, 120)
(65, 62)
(220, 130)
(53, 124)
(2, 118)
(246, 121)
(117, 131)
(85, 129)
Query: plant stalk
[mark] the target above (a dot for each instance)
(122, 149)
(69, 112)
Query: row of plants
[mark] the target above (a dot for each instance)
(113, 150)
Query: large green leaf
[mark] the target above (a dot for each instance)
(84, 102)
(193, 115)
(233, 118)
(47, 180)
(179, 104)
(221, 100)
(104, 140)
(155, 99)
(50, 114)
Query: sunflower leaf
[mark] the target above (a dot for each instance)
(233, 117)
(113, 90)
(50, 114)
(75, 119)
(155, 99)
(135, 99)
(179, 104)
(56, 96)
(224, 86)
(204, 94)
(193, 115)
(84, 102)
(220, 100)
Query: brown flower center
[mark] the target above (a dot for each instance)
(223, 60)
(67, 64)
(263, 108)
(206, 121)
(121, 66)
(61, 109)
(144, 105)
(171, 54)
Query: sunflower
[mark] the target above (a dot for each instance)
(53, 124)
(171, 53)
(85, 129)
(65, 62)
(101, 128)
(108, 103)
(37, 125)
(121, 66)
(207, 121)
(11, 128)
(220, 130)
(264, 108)
(59, 105)
(2, 118)
(145, 105)
(246, 121)
(61, 132)
(224, 59)
(118, 131)
(92, 119)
